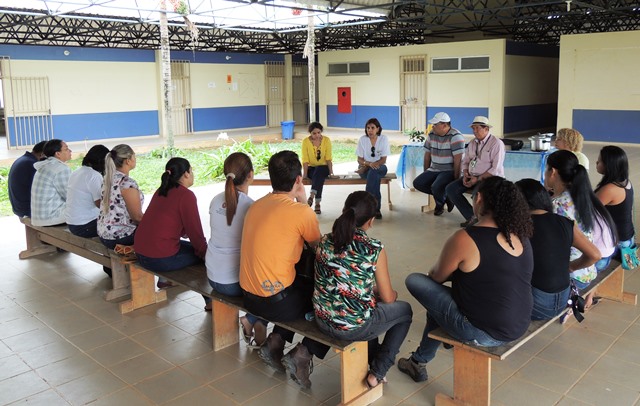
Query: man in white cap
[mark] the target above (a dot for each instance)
(444, 148)
(484, 157)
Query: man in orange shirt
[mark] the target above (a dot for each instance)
(273, 236)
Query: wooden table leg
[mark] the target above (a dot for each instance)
(224, 319)
(471, 379)
(355, 392)
(143, 290)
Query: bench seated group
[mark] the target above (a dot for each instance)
(341, 180)
(225, 312)
(43, 240)
(472, 364)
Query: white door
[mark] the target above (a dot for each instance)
(181, 110)
(413, 92)
(274, 79)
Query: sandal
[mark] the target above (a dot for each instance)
(310, 199)
(317, 209)
(249, 339)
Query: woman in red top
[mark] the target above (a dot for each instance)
(171, 215)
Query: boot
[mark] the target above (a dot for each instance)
(299, 365)
(271, 351)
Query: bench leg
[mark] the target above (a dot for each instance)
(224, 320)
(354, 360)
(613, 288)
(471, 379)
(34, 245)
(143, 290)
(430, 206)
(389, 196)
(120, 279)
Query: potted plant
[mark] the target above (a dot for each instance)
(415, 136)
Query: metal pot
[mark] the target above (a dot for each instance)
(540, 142)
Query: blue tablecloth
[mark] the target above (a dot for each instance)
(517, 164)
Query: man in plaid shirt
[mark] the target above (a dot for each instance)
(49, 190)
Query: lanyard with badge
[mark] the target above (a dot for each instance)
(474, 161)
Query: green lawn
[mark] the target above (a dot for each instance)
(207, 164)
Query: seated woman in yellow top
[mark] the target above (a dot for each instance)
(316, 162)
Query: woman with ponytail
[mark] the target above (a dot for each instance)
(227, 211)
(572, 197)
(353, 298)
(121, 204)
(172, 214)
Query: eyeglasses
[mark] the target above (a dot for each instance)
(318, 154)
(373, 151)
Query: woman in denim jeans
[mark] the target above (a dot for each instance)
(490, 265)
(553, 237)
(353, 298)
(616, 193)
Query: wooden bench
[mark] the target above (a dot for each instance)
(43, 240)
(354, 357)
(341, 180)
(472, 364)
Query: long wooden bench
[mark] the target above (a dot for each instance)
(472, 364)
(43, 240)
(354, 357)
(341, 180)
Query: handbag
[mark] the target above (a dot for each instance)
(629, 257)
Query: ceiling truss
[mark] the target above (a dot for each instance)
(406, 22)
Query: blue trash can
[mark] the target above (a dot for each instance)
(287, 129)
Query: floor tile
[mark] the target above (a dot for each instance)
(141, 367)
(68, 369)
(95, 338)
(211, 366)
(245, 384)
(549, 375)
(282, 394)
(160, 336)
(48, 354)
(203, 396)
(117, 351)
(123, 397)
(183, 351)
(11, 366)
(618, 371)
(167, 386)
(90, 387)
(569, 355)
(21, 386)
(46, 398)
(597, 391)
(520, 392)
(32, 339)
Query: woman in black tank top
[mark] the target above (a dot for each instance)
(616, 193)
(490, 266)
(553, 237)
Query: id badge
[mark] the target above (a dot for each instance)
(472, 163)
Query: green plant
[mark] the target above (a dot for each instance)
(415, 135)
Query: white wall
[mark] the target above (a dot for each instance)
(599, 72)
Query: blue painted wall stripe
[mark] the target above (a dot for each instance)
(224, 118)
(527, 49)
(608, 125)
(461, 117)
(387, 115)
(55, 53)
(98, 126)
(530, 117)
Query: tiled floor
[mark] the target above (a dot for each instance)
(61, 343)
